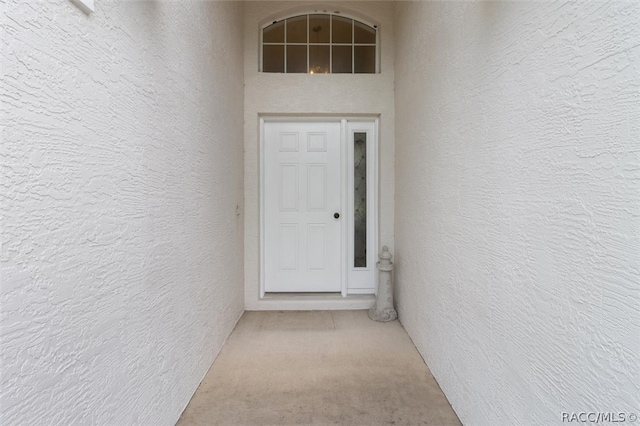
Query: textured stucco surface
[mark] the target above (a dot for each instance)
(338, 94)
(121, 157)
(518, 204)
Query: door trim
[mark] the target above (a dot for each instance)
(343, 120)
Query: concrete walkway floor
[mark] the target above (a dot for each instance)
(318, 367)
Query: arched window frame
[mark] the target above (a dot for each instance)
(355, 18)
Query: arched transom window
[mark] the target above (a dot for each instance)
(319, 44)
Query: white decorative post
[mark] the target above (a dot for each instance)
(383, 309)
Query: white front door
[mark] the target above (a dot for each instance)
(302, 207)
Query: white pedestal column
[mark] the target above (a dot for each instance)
(383, 309)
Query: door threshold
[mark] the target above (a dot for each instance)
(324, 295)
(311, 302)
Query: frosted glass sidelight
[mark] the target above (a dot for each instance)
(360, 199)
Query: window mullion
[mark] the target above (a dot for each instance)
(330, 44)
(353, 47)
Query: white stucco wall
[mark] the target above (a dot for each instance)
(339, 94)
(518, 204)
(121, 158)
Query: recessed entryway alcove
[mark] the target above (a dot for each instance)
(353, 103)
(508, 196)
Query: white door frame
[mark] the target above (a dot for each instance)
(372, 156)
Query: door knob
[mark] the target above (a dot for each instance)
(336, 215)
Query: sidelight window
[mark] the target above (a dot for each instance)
(360, 199)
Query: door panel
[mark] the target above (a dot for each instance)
(317, 187)
(317, 247)
(302, 191)
(288, 192)
(288, 238)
